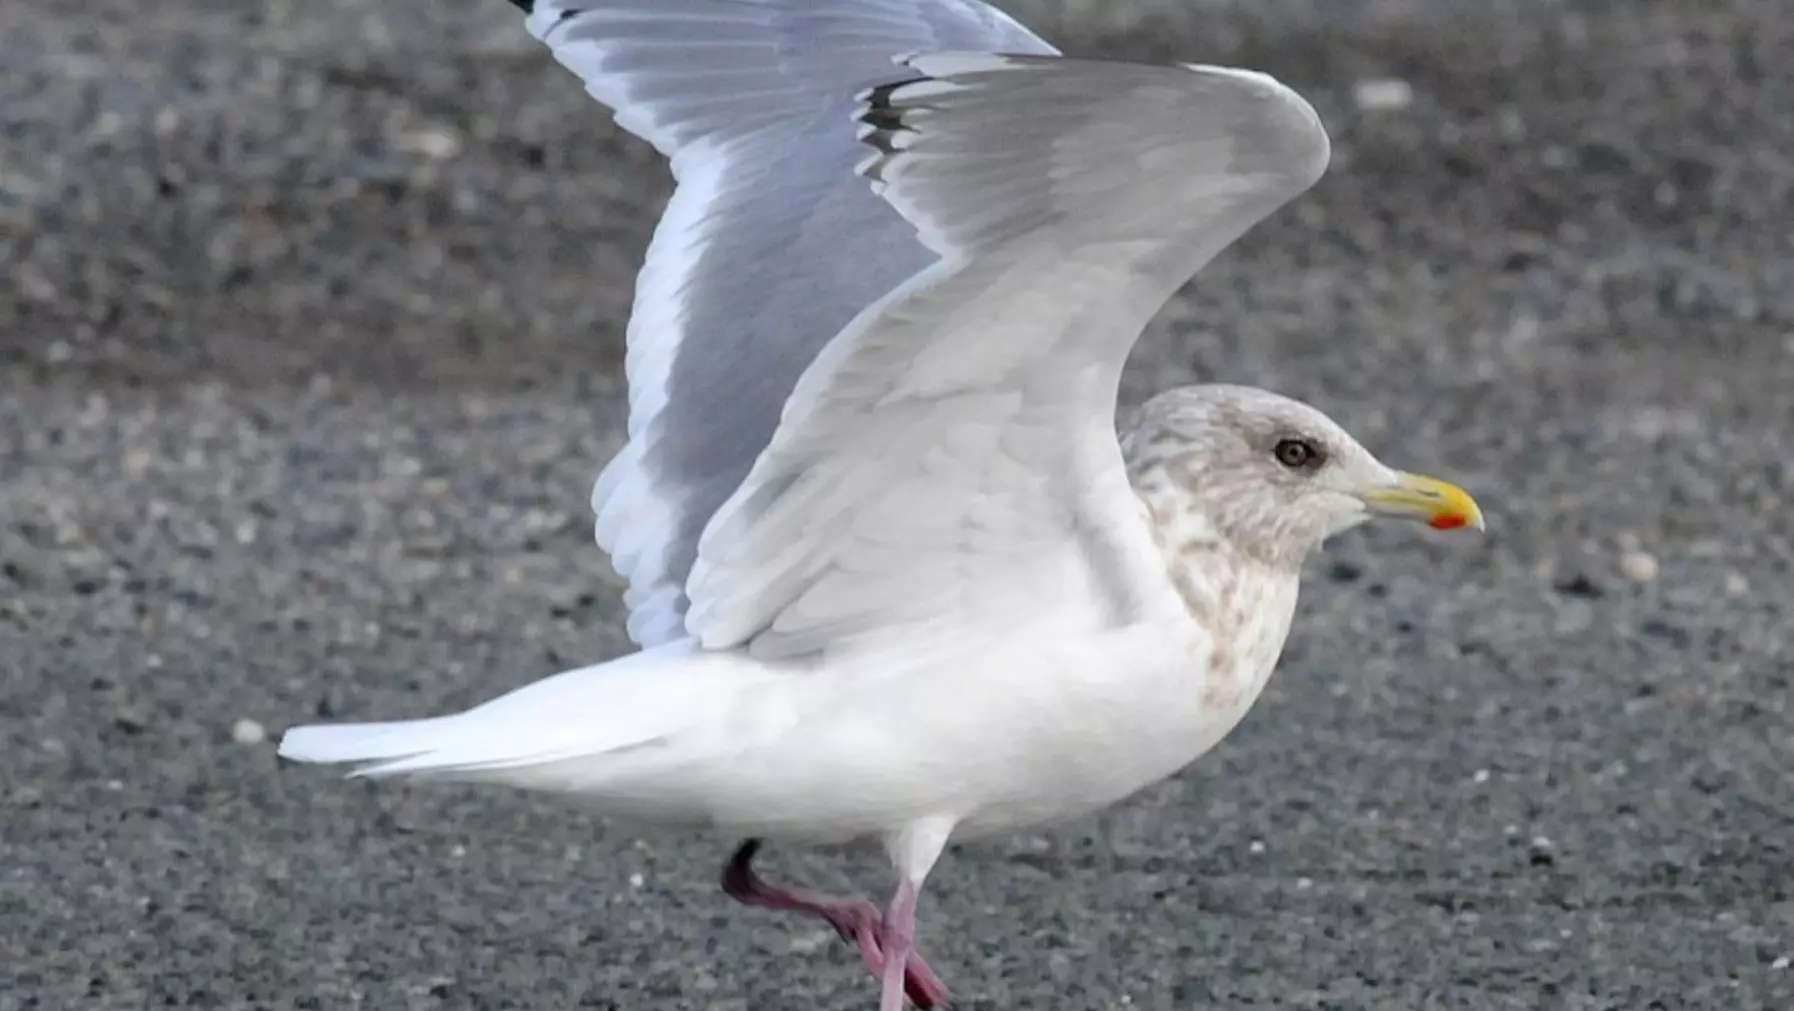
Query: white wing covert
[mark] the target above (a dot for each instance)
(956, 441)
(769, 246)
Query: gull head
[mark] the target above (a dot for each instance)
(1269, 477)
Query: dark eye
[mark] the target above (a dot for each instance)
(1298, 454)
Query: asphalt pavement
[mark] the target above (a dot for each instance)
(310, 341)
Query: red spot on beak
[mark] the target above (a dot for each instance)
(1448, 521)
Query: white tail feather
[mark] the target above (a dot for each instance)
(325, 743)
(584, 717)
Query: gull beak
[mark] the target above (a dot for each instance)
(1439, 505)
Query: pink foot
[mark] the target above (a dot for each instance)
(859, 922)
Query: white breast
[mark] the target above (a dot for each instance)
(1169, 693)
(1142, 705)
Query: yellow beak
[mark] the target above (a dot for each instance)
(1436, 503)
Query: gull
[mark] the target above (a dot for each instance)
(893, 572)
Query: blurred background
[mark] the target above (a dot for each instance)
(311, 321)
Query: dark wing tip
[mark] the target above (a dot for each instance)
(526, 6)
(883, 119)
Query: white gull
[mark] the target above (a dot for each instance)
(893, 575)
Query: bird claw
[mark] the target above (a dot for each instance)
(861, 924)
(857, 922)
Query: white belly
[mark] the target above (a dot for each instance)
(1031, 737)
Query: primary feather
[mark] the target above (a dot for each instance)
(769, 246)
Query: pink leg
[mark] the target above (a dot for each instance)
(900, 945)
(858, 922)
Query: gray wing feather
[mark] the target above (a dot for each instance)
(768, 248)
(948, 465)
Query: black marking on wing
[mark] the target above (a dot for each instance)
(885, 120)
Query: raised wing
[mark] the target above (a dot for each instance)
(949, 463)
(768, 248)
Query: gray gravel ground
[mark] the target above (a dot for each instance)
(309, 329)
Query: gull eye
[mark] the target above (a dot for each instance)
(1299, 454)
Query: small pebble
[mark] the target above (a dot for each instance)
(1638, 566)
(1384, 95)
(1780, 963)
(1736, 585)
(39, 289)
(1255, 846)
(807, 944)
(432, 142)
(248, 731)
